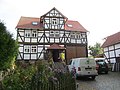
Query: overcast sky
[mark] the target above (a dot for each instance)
(100, 17)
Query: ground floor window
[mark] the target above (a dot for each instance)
(30, 49)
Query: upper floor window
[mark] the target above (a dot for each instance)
(72, 35)
(78, 35)
(57, 34)
(33, 49)
(27, 33)
(34, 33)
(27, 49)
(54, 21)
(51, 33)
(30, 33)
(54, 34)
(83, 35)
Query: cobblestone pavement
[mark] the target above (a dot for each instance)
(110, 81)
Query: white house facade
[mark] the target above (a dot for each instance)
(112, 48)
(36, 35)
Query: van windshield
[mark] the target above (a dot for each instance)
(87, 62)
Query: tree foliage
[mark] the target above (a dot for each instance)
(8, 48)
(95, 50)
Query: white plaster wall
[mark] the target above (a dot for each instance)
(57, 40)
(40, 34)
(106, 49)
(106, 54)
(40, 49)
(20, 49)
(51, 40)
(117, 46)
(72, 40)
(19, 57)
(27, 39)
(21, 33)
(34, 40)
(33, 56)
(117, 52)
(113, 60)
(111, 47)
(111, 53)
(19, 39)
(26, 56)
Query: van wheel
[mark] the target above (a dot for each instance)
(93, 77)
(106, 72)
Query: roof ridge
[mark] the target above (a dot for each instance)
(29, 17)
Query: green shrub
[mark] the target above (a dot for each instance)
(8, 48)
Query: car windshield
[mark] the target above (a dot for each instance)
(99, 62)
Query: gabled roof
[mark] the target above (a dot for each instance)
(26, 23)
(74, 26)
(111, 40)
(55, 46)
(56, 10)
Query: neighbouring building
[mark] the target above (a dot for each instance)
(52, 32)
(111, 48)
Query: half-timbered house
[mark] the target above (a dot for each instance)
(111, 48)
(52, 32)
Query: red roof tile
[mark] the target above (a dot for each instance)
(26, 23)
(55, 46)
(112, 39)
(74, 26)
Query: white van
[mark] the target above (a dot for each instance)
(83, 67)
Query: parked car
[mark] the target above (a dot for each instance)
(83, 67)
(102, 65)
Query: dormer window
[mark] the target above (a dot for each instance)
(69, 25)
(34, 23)
(54, 21)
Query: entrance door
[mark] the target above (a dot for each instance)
(117, 59)
(55, 55)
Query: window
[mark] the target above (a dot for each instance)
(57, 34)
(34, 23)
(27, 49)
(33, 49)
(54, 34)
(69, 25)
(51, 33)
(27, 33)
(34, 33)
(83, 35)
(72, 35)
(78, 35)
(54, 21)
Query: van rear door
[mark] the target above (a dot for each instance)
(88, 65)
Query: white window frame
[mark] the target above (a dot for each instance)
(78, 35)
(27, 48)
(51, 33)
(54, 21)
(57, 33)
(72, 35)
(27, 33)
(33, 49)
(34, 33)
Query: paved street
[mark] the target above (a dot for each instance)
(109, 81)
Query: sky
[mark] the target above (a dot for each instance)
(100, 17)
